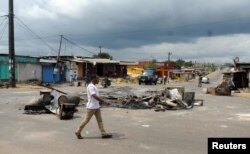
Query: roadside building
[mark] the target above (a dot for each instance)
(188, 73)
(162, 68)
(51, 71)
(27, 68)
(99, 66)
(242, 74)
(133, 69)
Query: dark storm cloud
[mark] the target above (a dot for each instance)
(135, 23)
(127, 24)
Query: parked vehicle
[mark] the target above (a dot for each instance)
(205, 80)
(148, 76)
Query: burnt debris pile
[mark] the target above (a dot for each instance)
(167, 99)
(63, 105)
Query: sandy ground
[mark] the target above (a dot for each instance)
(134, 131)
(242, 94)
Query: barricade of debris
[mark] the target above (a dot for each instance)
(167, 99)
(223, 89)
(63, 105)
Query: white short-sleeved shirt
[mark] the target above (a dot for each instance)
(92, 102)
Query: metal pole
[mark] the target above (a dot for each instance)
(169, 54)
(12, 61)
(57, 60)
(60, 46)
(86, 74)
(100, 49)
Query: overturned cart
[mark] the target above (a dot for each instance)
(60, 104)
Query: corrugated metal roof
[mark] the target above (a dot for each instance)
(95, 61)
(47, 61)
(78, 60)
(101, 61)
(128, 63)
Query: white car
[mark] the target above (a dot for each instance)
(205, 80)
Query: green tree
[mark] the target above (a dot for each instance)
(188, 64)
(152, 64)
(179, 63)
(213, 67)
(103, 55)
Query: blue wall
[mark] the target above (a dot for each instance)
(47, 74)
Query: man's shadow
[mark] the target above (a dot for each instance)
(115, 136)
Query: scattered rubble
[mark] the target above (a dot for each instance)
(223, 89)
(53, 102)
(4, 84)
(158, 100)
(64, 105)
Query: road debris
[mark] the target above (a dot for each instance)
(158, 100)
(53, 102)
(223, 89)
(4, 84)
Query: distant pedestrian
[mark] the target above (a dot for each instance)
(93, 108)
(168, 79)
(200, 81)
(87, 80)
(73, 77)
(164, 79)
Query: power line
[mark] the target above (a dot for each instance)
(24, 28)
(36, 34)
(4, 23)
(78, 45)
(4, 16)
(43, 37)
(3, 30)
(4, 20)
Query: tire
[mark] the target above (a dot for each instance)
(60, 112)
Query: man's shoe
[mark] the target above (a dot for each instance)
(106, 135)
(78, 135)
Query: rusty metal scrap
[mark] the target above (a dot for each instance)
(222, 89)
(159, 100)
(131, 101)
(53, 102)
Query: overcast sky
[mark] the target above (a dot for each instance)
(198, 30)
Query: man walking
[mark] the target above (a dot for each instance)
(93, 108)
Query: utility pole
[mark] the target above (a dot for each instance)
(100, 49)
(59, 51)
(57, 60)
(169, 54)
(12, 60)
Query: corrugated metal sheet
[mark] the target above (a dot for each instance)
(26, 60)
(4, 66)
(128, 63)
(101, 61)
(29, 71)
(4, 58)
(47, 61)
(4, 72)
(47, 74)
(95, 61)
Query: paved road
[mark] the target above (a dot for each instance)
(135, 131)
